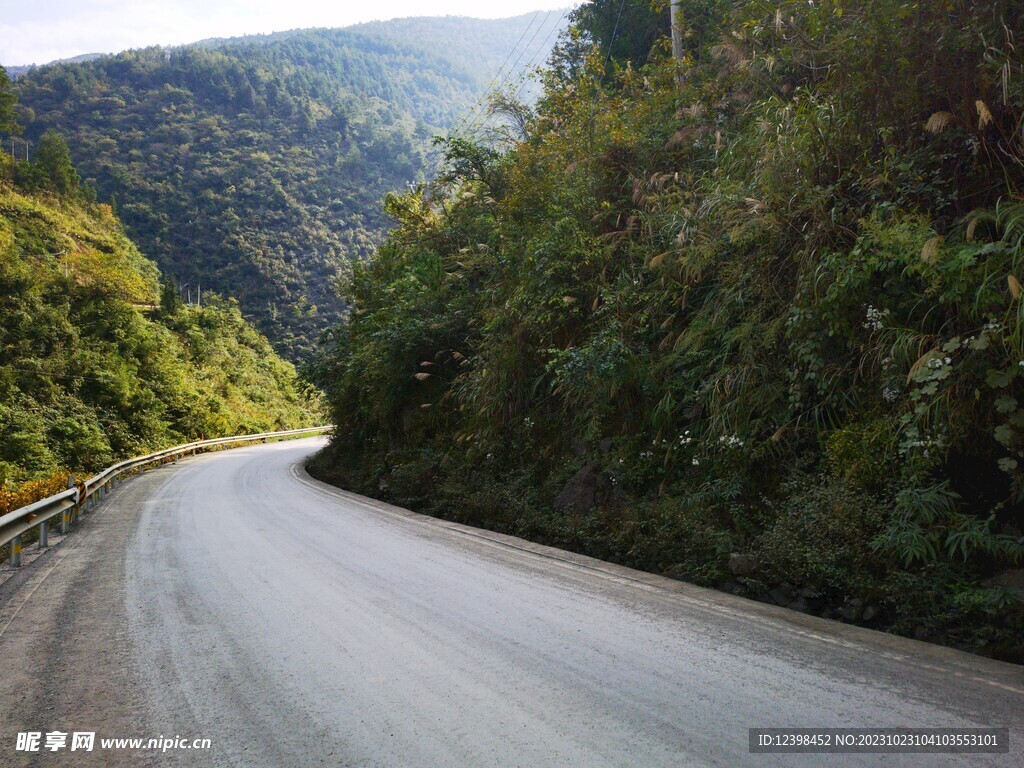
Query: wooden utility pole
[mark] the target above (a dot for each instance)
(677, 43)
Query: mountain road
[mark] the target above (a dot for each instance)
(233, 598)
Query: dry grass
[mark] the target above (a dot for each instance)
(31, 491)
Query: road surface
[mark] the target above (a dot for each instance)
(233, 598)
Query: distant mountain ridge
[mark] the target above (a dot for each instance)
(21, 69)
(255, 166)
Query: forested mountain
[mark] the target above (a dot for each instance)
(255, 166)
(96, 362)
(753, 319)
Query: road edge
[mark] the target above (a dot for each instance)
(937, 658)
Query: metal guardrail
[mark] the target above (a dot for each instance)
(70, 503)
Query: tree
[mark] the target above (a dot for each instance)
(8, 118)
(54, 159)
(625, 31)
(170, 298)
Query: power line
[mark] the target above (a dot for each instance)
(615, 31)
(515, 71)
(524, 75)
(543, 50)
(482, 98)
(509, 75)
(497, 74)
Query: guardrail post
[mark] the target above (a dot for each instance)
(16, 551)
(44, 534)
(65, 522)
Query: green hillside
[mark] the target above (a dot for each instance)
(255, 166)
(754, 320)
(97, 365)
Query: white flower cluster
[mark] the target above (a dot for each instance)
(890, 394)
(875, 318)
(528, 422)
(926, 444)
(685, 439)
(730, 441)
(937, 362)
(648, 455)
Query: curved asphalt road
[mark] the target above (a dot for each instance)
(233, 598)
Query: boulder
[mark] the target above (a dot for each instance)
(581, 494)
(851, 610)
(742, 565)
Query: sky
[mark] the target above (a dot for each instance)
(39, 31)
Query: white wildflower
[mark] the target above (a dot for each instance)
(875, 318)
